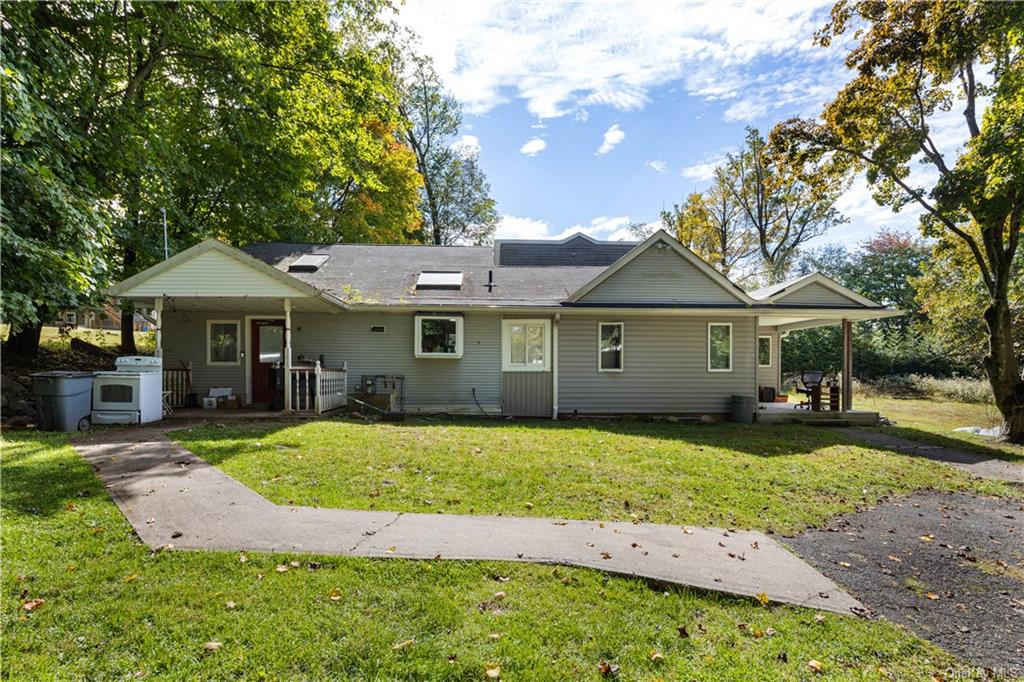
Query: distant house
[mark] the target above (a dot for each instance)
(520, 328)
(106, 317)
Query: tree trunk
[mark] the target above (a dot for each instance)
(26, 341)
(1003, 369)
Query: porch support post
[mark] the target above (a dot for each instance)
(287, 355)
(158, 308)
(847, 386)
(554, 366)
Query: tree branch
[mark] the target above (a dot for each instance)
(970, 93)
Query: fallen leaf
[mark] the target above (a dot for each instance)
(608, 669)
(493, 671)
(212, 646)
(896, 559)
(391, 549)
(768, 632)
(334, 594)
(498, 596)
(815, 666)
(932, 596)
(763, 598)
(176, 534)
(131, 578)
(294, 564)
(230, 604)
(33, 604)
(281, 568)
(70, 506)
(927, 538)
(688, 531)
(242, 558)
(402, 645)
(606, 555)
(844, 564)
(494, 636)
(683, 633)
(819, 618)
(657, 657)
(150, 520)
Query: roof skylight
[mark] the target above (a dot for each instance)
(308, 263)
(439, 280)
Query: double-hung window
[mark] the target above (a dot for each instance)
(764, 351)
(438, 336)
(720, 347)
(526, 345)
(222, 342)
(610, 346)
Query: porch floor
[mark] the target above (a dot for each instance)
(789, 413)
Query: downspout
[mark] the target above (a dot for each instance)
(554, 367)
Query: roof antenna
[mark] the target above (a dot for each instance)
(490, 282)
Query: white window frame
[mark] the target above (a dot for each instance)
(419, 336)
(71, 317)
(770, 344)
(506, 346)
(720, 324)
(238, 343)
(622, 353)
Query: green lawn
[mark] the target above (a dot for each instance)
(768, 477)
(113, 610)
(934, 420)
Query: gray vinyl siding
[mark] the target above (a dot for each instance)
(429, 382)
(526, 394)
(770, 376)
(815, 294)
(185, 341)
(664, 367)
(659, 276)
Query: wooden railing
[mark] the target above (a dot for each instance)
(178, 381)
(318, 389)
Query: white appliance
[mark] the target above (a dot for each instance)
(132, 394)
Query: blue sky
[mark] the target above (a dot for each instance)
(589, 116)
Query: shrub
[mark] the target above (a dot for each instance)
(959, 389)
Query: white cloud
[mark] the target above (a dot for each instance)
(561, 57)
(515, 227)
(467, 145)
(615, 228)
(533, 146)
(611, 137)
(657, 166)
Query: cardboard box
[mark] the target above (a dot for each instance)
(209, 403)
(229, 403)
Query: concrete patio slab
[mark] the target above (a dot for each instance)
(171, 496)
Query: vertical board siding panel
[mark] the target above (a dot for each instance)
(429, 382)
(665, 367)
(657, 276)
(185, 341)
(526, 394)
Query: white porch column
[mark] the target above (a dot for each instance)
(158, 308)
(554, 366)
(287, 355)
(847, 387)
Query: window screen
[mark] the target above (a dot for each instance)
(610, 346)
(720, 347)
(438, 336)
(223, 343)
(764, 351)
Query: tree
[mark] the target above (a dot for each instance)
(785, 205)
(455, 203)
(711, 224)
(913, 62)
(245, 121)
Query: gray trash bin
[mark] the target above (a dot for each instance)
(64, 399)
(741, 409)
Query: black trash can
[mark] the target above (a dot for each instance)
(741, 409)
(64, 399)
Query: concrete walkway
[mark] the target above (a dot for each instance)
(171, 496)
(971, 462)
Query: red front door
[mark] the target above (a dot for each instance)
(266, 356)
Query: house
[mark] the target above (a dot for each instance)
(104, 317)
(523, 328)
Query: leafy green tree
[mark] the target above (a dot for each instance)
(783, 205)
(913, 62)
(455, 203)
(246, 121)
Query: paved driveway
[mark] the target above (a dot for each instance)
(171, 496)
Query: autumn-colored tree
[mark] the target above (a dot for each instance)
(913, 62)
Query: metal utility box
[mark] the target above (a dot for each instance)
(64, 399)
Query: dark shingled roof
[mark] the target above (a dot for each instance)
(577, 250)
(386, 274)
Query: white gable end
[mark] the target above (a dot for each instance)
(211, 273)
(659, 275)
(816, 294)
